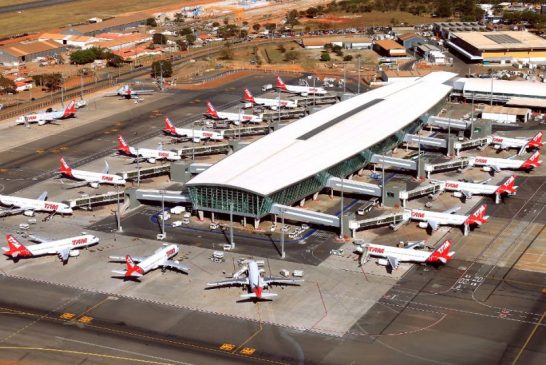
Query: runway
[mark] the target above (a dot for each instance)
(32, 5)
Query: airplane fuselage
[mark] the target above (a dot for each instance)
(35, 204)
(472, 188)
(439, 217)
(53, 247)
(158, 258)
(402, 254)
(96, 177)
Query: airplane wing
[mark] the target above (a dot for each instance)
(451, 210)
(175, 265)
(42, 196)
(229, 282)
(467, 194)
(522, 150)
(37, 239)
(495, 168)
(393, 261)
(12, 211)
(433, 224)
(77, 184)
(136, 259)
(282, 281)
(142, 92)
(64, 253)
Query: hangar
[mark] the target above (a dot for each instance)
(296, 161)
(499, 47)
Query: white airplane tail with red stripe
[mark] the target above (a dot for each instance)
(211, 111)
(536, 141)
(248, 97)
(280, 84)
(65, 169)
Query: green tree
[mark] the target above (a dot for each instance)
(215, 24)
(348, 58)
(159, 38)
(49, 81)
(7, 85)
(84, 56)
(325, 57)
(291, 56)
(162, 67)
(151, 22)
(182, 45)
(312, 12)
(443, 9)
(191, 38)
(256, 27)
(226, 53)
(186, 30)
(292, 17)
(114, 60)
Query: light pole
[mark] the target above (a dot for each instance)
(383, 181)
(118, 211)
(193, 141)
(341, 213)
(163, 213)
(283, 254)
(231, 241)
(138, 167)
(279, 107)
(358, 84)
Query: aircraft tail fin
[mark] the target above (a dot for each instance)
(508, 186)
(169, 127)
(280, 84)
(248, 97)
(478, 217)
(133, 270)
(65, 169)
(70, 109)
(211, 111)
(15, 248)
(442, 254)
(533, 161)
(536, 141)
(123, 146)
(42, 196)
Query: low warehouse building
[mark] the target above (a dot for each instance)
(389, 48)
(296, 161)
(29, 51)
(498, 47)
(504, 114)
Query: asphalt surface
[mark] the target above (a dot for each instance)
(32, 5)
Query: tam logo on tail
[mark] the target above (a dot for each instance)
(280, 83)
(123, 146)
(442, 253)
(169, 127)
(478, 217)
(16, 248)
(65, 169)
(70, 109)
(249, 97)
(508, 186)
(211, 111)
(132, 268)
(536, 141)
(533, 161)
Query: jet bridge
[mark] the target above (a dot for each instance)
(448, 123)
(168, 196)
(145, 172)
(473, 143)
(393, 219)
(428, 141)
(460, 163)
(247, 131)
(317, 100)
(88, 201)
(394, 161)
(432, 188)
(305, 215)
(212, 149)
(352, 186)
(272, 115)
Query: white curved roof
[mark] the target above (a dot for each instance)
(516, 88)
(327, 137)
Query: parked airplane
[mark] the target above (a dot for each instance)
(235, 118)
(301, 90)
(128, 93)
(47, 117)
(273, 104)
(94, 179)
(435, 219)
(138, 266)
(467, 190)
(393, 256)
(497, 164)
(504, 143)
(147, 154)
(29, 206)
(64, 248)
(254, 280)
(197, 135)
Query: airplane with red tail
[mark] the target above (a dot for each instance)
(522, 144)
(147, 154)
(467, 190)
(254, 280)
(433, 220)
(196, 135)
(492, 164)
(393, 256)
(47, 117)
(235, 118)
(273, 104)
(93, 179)
(301, 90)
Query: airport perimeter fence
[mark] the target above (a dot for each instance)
(112, 80)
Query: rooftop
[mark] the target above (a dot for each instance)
(321, 41)
(388, 44)
(131, 38)
(515, 88)
(28, 48)
(486, 41)
(327, 137)
(113, 22)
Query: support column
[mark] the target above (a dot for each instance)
(331, 193)
(201, 215)
(212, 217)
(360, 172)
(244, 222)
(302, 202)
(256, 223)
(497, 198)
(315, 196)
(466, 229)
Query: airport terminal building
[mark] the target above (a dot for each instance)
(296, 161)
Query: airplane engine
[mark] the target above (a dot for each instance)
(423, 225)
(304, 94)
(383, 262)
(74, 253)
(151, 160)
(94, 185)
(486, 168)
(497, 146)
(274, 108)
(28, 213)
(457, 194)
(41, 122)
(196, 140)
